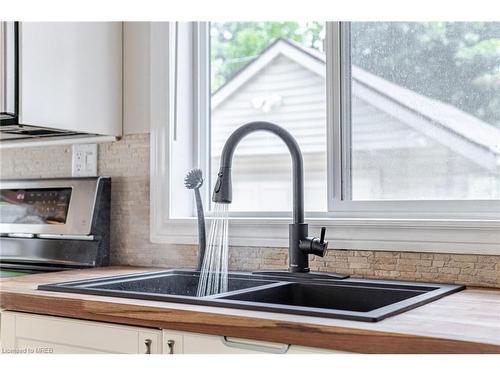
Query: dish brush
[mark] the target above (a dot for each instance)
(194, 181)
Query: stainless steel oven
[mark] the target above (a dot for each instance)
(54, 224)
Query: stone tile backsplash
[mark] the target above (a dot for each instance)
(127, 162)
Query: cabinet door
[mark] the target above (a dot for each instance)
(173, 342)
(297, 349)
(208, 344)
(71, 76)
(45, 334)
(195, 343)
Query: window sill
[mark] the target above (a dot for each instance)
(430, 235)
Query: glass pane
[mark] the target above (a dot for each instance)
(425, 109)
(270, 71)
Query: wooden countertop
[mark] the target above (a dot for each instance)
(464, 322)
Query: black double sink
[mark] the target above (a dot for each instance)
(353, 299)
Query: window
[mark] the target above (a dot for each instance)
(269, 71)
(421, 119)
(398, 123)
(425, 110)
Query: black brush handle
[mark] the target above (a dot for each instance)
(201, 228)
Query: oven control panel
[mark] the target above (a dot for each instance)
(34, 206)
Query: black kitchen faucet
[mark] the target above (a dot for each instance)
(300, 244)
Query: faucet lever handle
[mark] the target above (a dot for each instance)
(314, 245)
(322, 236)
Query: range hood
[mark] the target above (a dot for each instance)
(10, 128)
(26, 132)
(42, 97)
(9, 77)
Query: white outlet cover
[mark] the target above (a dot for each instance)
(84, 160)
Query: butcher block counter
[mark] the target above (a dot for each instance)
(464, 322)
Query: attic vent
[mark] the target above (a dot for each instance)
(267, 103)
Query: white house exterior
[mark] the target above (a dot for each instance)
(404, 145)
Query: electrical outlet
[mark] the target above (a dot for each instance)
(84, 160)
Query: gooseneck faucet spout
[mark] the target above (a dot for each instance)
(223, 190)
(300, 245)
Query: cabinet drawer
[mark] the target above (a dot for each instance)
(195, 343)
(208, 344)
(64, 335)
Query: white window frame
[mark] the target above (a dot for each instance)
(338, 123)
(427, 226)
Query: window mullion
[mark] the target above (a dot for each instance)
(333, 107)
(345, 110)
(201, 107)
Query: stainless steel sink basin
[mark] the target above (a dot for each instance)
(354, 299)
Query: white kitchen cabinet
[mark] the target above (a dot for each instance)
(42, 334)
(136, 77)
(71, 76)
(195, 343)
(35, 333)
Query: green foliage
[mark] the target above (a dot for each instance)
(489, 48)
(235, 44)
(455, 62)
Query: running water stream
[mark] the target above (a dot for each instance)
(213, 275)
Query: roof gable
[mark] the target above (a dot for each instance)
(452, 127)
(279, 47)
